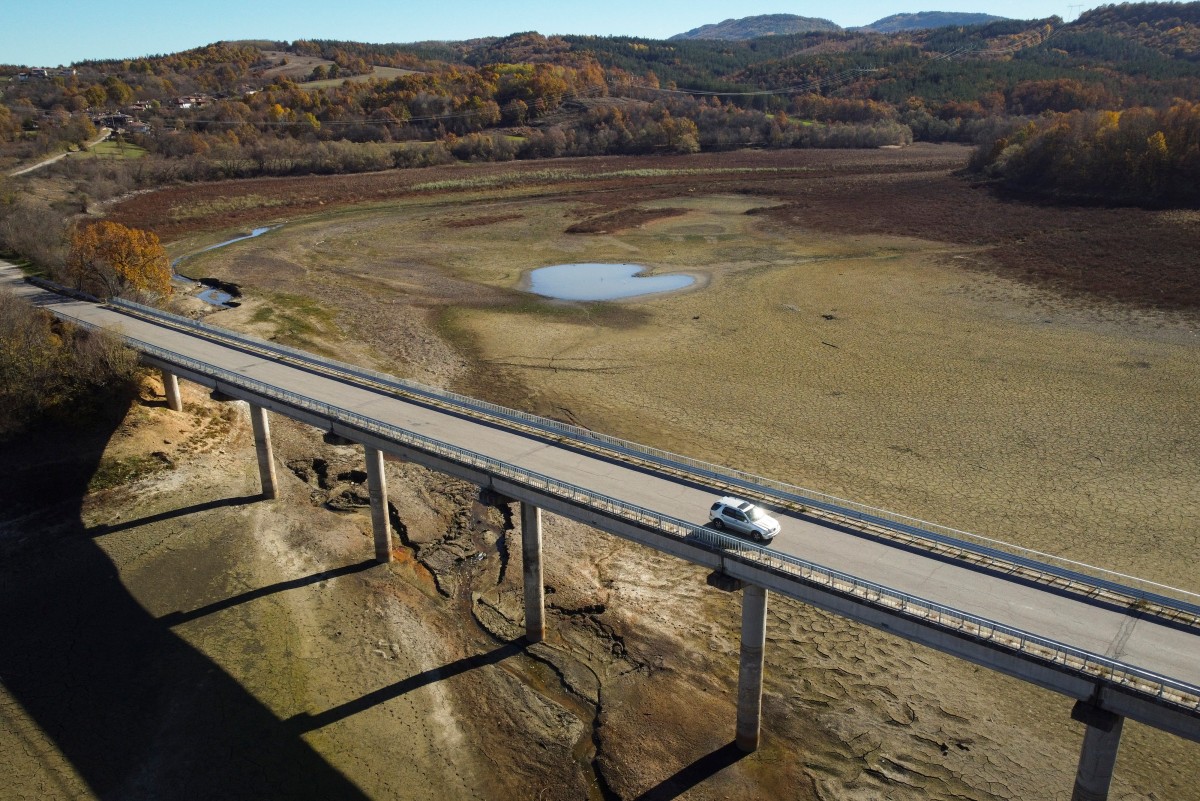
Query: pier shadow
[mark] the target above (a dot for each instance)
(136, 710)
(175, 618)
(100, 531)
(305, 722)
(699, 771)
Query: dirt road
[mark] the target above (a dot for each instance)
(102, 135)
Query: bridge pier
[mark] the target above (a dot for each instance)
(1098, 756)
(265, 455)
(531, 559)
(377, 489)
(262, 446)
(750, 671)
(171, 389)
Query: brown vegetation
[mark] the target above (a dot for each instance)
(1134, 255)
(51, 369)
(622, 219)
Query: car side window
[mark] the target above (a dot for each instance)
(735, 514)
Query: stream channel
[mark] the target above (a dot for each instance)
(219, 293)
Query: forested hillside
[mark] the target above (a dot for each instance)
(924, 20)
(755, 27)
(253, 108)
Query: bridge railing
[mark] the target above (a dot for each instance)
(1081, 662)
(1132, 586)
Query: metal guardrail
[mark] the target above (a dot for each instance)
(61, 289)
(1069, 570)
(1084, 663)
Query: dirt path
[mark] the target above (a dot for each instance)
(103, 134)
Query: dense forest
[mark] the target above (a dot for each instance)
(236, 109)
(1142, 156)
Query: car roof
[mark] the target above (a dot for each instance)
(738, 503)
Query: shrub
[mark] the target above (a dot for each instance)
(50, 368)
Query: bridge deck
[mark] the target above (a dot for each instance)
(1121, 634)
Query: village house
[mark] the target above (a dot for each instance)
(192, 101)
(45, 72)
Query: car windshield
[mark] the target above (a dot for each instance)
(755, 513)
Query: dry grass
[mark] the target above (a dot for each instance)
(215, 207)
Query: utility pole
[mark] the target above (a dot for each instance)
(1073, 10)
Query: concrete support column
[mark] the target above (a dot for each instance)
(1098, 756)
(377, 488)
(750, 672)
(262, 445)
(171, 388)
(531, 558)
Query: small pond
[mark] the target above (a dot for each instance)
(602, 281)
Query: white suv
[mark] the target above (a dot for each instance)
(744, 518)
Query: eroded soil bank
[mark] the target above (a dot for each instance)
(179, 638)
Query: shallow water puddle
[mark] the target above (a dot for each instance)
(602, 281)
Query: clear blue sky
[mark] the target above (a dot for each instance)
(53, 32)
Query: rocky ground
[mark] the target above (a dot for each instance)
(178, 637)
(169, 634)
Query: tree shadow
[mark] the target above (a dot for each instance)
(305, 722)
(688, 777)
(137, 711)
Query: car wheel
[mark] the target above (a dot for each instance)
(758, 537)
(718, 525)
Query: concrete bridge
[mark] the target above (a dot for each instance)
(1120, 647)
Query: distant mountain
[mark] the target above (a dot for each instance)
(754, 27)
(927, 19)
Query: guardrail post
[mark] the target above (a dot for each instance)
(377, 489)
(262, 446)
(750, 672)
(171, 389)
(1098, 756)
(531, 559)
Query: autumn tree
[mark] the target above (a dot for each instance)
(1141, 156)
(110, 260)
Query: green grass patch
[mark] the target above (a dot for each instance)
(117, 472)
(446, 324)
(299, 321)
(108, 149)
(25, 265)
(550, 176)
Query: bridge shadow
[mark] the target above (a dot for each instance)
(136, 711)
(691, 775)
(305, 722)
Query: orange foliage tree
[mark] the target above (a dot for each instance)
(108, 259)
